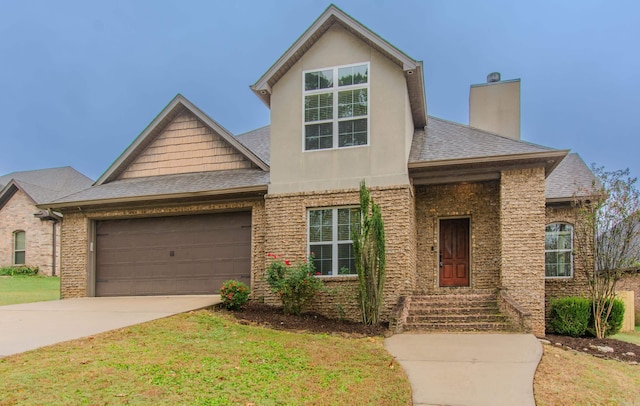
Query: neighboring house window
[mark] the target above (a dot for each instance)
(19, 248)
(330, 244)
(558, 245)
(336, 107)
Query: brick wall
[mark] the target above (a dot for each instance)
(478, 201)
(75, 258)
(522, 222)
(17, 214)
(286, 222)
(576, 285)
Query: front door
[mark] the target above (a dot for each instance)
(454, 252)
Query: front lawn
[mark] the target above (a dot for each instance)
(630, 337)
(566, 377)
(206, 358)
(27, 289)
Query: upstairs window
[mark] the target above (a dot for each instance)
(336, 107)
(558, 254)
(19, 240)
(330, 241)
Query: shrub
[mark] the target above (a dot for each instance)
(234, 294)
(19, 270)
(570, 316)
(614, 324)
(294, 284)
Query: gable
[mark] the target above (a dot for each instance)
(181, 139)
(185, 145)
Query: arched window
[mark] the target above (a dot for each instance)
(558, 254)
(19, 245)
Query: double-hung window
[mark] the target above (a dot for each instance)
(19, 247)
(558, 245)
(336, 107)
(329, 237)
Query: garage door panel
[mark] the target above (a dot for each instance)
(172, 255)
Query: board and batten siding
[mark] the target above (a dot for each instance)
(186, 145)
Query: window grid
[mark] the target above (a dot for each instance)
(334, 252)
(336, 112)
(19, 248)
(559, 250)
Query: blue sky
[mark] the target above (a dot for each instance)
(80, 80)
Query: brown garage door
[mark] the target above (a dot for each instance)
(172, 255)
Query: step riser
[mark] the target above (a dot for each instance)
(459, 313)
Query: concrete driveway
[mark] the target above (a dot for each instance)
(468, 369)
(28, 326)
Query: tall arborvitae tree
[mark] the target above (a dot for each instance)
(370, 261)
(607, 238)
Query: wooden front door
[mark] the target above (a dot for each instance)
(454, 252)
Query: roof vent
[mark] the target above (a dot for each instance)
(493, 77)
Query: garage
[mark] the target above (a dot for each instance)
(181, 255)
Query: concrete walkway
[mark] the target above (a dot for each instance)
(28, 326)
(468, 369)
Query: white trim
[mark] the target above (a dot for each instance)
(334, 91)
(335, 272)
(559, 250)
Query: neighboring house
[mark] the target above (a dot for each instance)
(188, 205)
(29, 235)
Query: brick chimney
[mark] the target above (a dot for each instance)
(495, 106)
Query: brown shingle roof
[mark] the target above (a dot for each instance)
(44, 185)
(571, 178)
(445, 140)
(170, 186)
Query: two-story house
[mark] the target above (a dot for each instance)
(471, 212)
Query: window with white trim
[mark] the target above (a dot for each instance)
(19, 247)
(329, 240)
(336, 107)
(558, 254)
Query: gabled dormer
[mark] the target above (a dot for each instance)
(344, 105)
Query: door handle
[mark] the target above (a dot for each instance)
(440, 259)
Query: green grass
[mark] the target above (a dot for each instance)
(573, 378)
(630, 337)
(27, 289)
(205, 358)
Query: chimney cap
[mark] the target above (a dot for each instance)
(493, 77)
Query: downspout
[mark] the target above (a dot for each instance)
(55, 218)
(53, 250)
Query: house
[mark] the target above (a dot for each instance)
(29, 235)
(468, 209)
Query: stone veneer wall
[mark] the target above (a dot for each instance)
(577, 285)
(522, 222)
(18, 215)
(75, 258)
(478, 201)
(286, 222)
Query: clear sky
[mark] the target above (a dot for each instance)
(79, 80)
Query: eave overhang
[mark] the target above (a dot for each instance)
(479, 169)
(235, 193)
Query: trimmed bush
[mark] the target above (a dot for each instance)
(615, 320)
(570, 316)
(294, 284)
(234, 294)
(19, 270)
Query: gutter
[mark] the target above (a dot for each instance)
(495, 158)
(133, 199)
(55, 218)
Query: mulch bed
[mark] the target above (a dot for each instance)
(620, 349)
(272, 317)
